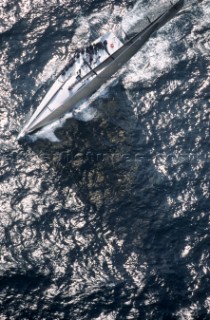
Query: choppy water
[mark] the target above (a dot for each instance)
(112, 220)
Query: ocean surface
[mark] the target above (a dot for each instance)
(105, 214)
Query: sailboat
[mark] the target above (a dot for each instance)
(90, 68)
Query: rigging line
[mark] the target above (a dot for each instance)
(85, 61)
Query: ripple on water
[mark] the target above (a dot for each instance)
(111, 221)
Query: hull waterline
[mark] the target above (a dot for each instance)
(51, 109)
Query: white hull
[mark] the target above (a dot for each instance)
(89, 71)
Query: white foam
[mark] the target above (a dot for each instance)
(156, 56)
(185, 251)
(48, 131)
(152, 60)
(136, 18)
(84, 112)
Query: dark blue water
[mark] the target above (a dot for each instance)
(111, 222)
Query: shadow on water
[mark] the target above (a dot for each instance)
(92, 155)
(132, 262)
(110, 164)
(115, 175)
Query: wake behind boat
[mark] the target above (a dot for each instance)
(89, 69)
